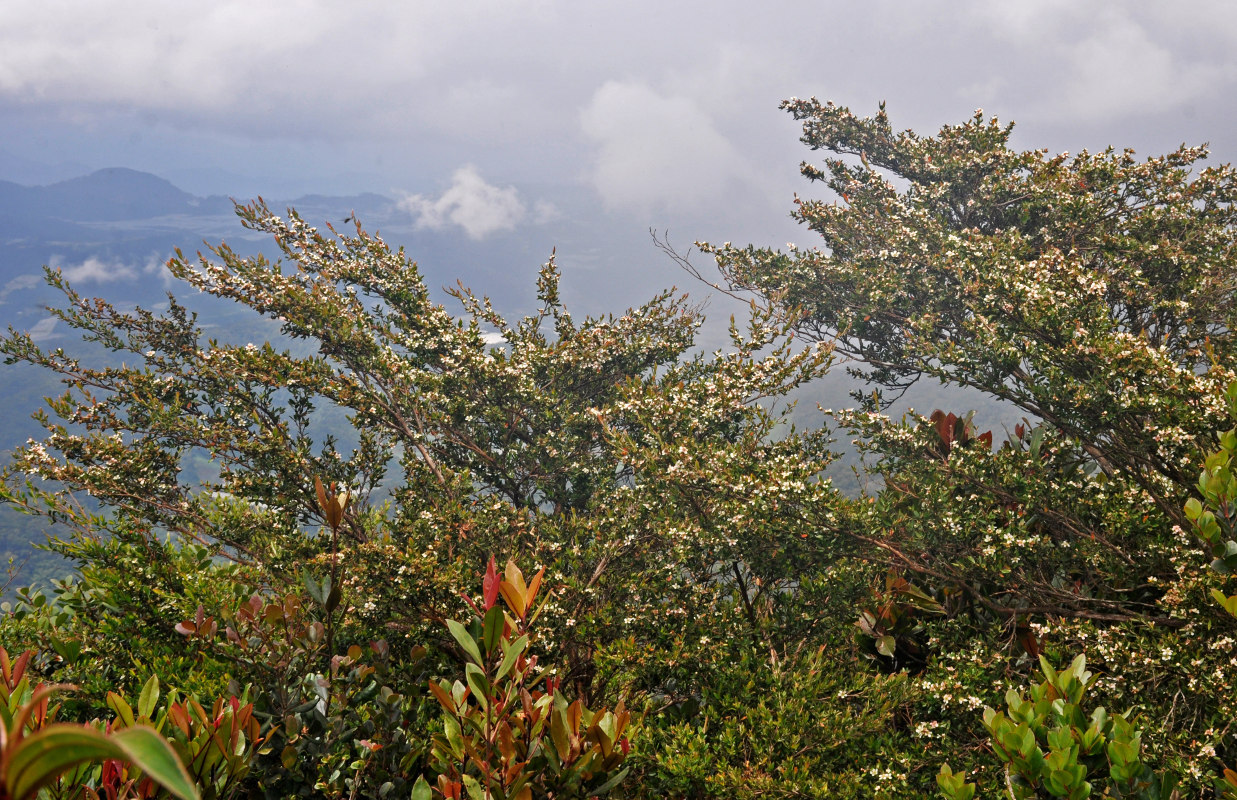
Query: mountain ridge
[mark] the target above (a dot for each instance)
(116, 194)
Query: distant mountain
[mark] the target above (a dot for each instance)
(125, 217)
(108, 195)
(113, 194)
(118, 194)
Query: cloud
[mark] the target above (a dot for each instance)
(478, 207)
(98, 270)
(544, 211)
(157, 265)
(43, 329)
(94, 270)
(658, 151)
(640, 95)
(1100, 62)
(18, 284)
(1124, 69)
(280, 64)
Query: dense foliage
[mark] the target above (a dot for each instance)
(708, 616)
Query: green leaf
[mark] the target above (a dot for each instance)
(421, 790)
(122, 708)
(149, 697)
(465, 640)
(492, 628)
(68, 649)
(1228, 603)
(1047, 669)
(333, 598)
(317, 590)
(558, 733)
(473, 787)
(511, 653)
(1023, 740)
(455, 738)
(1122, 753)
(885, 645)
(953, 785)
(615, 780)
(479, 685)
(41, 757)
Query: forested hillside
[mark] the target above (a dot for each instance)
(408, 549)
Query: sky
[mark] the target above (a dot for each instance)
(549, 119)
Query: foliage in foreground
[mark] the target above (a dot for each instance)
(37, 753)
(698, 582)
(1050, 744)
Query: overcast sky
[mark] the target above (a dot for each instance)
(500, 115)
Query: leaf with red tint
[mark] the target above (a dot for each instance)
(321, 492)
(470, 603)
(534, 585)
(179, 717)
(1028, 640)
(489, 586)
(443, 697)
(944, 427)
(960, 432)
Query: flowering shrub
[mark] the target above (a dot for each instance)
(703, 569)
(1091, 291)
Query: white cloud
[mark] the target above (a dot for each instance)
(658, 151)
(637, 96)
(19, 283)
(544, 211)
(1124, 68)
(156, 265)
(1097, 62)
(279, 64)
(43, 329)
(96, 270)
(478, 207)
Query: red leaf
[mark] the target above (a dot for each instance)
(960, 431)
(944, 427)
(18, 667)
(470, 603)
(490, 585)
